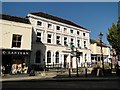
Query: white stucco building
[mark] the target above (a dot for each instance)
(15, 43)
(51, 41)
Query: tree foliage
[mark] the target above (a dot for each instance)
(113, 36)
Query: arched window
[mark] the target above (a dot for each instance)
(48, 57)
(57, 57)
(38, 55)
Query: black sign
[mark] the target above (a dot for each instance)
(15, 52)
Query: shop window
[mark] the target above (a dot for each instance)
(57, 57)
(48, 57)
(16, 40)
(37, 60)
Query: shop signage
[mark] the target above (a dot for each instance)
(15, 52)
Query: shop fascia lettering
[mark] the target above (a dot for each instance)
(15, 52)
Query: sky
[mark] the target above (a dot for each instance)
(95, 16)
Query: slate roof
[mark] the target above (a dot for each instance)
(98, 43)
(14, 18)
(55, 18)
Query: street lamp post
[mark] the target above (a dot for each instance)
(76, 64)
(76, 54)
(100, 36)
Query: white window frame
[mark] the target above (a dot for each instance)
(78, 43)
(51, 26)
(65, 40)
(49, 57)
(59, 40)
(38, 31)
(51, 38)
(41, 23)
(59, 27)
(64, 30)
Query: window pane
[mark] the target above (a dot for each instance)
(39, 23)
(57, 57)
(16, 41)
(49, 26)
(18, 44)
(49, 36)
(38, 34)
(48, 57)
(58, 27)
(71, 31)
(83, 34)
(49, 40)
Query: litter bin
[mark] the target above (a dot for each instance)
(32, 72)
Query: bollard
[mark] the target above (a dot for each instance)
(86, 72)
(69, 73)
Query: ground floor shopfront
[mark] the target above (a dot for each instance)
(15, 61)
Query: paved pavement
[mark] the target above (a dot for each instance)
(56, 76)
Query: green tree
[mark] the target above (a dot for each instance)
(113, 37)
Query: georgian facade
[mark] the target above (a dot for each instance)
(52, 37)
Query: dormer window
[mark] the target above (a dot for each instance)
(39, 23)
(58, 27)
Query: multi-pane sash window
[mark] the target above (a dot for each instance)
(38, 37)
(65, 41)
(57, 57)
(49, 37)
(65, 30)
(58, 40)
(49, 26)
(71, 40)
(84, 44)
(58, 27)
(39, 23)
(78, 43)
(48, 57)
(16, 40)
(71, 31)
(78, 32)
(83, 34)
